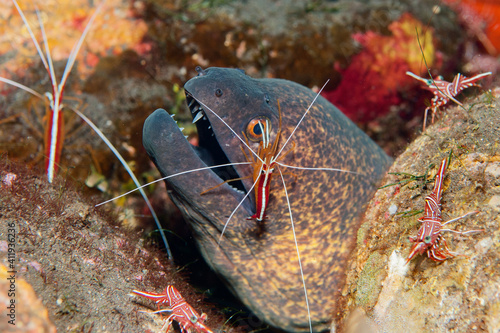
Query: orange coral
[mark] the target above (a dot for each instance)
(371, 82)
(113, 31)
(483, 18)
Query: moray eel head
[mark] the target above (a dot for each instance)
(258, 260)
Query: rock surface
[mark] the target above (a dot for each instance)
(461, 294)
(26, 313)
(82, 266)
(72, 256)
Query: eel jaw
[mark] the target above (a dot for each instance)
(174, 155)
(210, 150)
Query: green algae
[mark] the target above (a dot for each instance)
(369, 283)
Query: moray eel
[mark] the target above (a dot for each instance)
(259, 261)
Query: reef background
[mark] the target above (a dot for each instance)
(136, 58)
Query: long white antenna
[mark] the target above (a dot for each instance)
(170, 176)
(298, 252)
(227, 125)
(239, 204)
(303, 116)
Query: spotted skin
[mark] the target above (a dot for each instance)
(259, 262)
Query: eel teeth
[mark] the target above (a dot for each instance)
(237, 190)
(198, 116)
(172, 115)
(181, 128)
(192, 102)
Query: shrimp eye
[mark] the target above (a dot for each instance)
(218, 92)
(427, 239)
(256, 128)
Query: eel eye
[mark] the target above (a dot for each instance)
(257, 127)
(218, 92)
(427, 239)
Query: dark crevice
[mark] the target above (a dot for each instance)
(209, 149)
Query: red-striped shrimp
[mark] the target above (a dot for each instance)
(54, 129)
(429, 238)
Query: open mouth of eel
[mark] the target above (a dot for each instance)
(209, 149)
